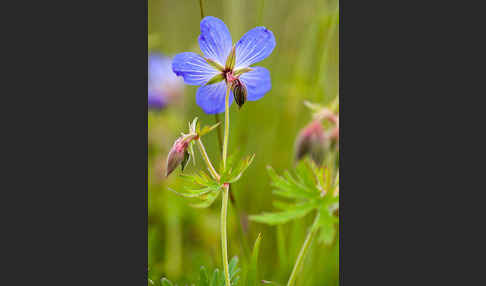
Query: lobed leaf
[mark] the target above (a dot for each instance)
(288, 189)
(208, 201)
(234, 174)
(296, 212)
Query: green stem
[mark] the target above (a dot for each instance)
(201, 8)
(224, 206)
(303, 251)
(226, 127)
(205, 156)
(224, 241)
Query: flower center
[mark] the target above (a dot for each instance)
(229, 76)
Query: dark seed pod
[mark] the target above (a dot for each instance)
(239, 92)
(312, 141)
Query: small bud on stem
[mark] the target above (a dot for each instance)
(239, 92)
(178, 154)
(312, 141)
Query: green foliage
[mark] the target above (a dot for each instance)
(251, 277)
(303, 66)
(312, 188)
(217, 278)
(201, 187)
(235, 170)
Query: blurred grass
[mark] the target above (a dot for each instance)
(303, 66)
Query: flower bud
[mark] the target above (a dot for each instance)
(239, 92)
(312, 141)
(178, 154)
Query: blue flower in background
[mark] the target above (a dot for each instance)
(226, 64)
(163, 85)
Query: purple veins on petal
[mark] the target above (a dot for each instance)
(193, 68)
(254, 46)
(215, 39)
(257, 82)
(216, 44)
(211, 97)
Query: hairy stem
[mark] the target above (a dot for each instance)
(224, 242)
(205, 156)
(302, 252)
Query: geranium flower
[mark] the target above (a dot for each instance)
(226, 64)
(163, 84)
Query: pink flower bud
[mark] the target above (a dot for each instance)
(177, 154)
(312, 141)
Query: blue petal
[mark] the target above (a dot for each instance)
(254, 46)
(257, 82)
(193, 68)
(215, 39)
(211, 97)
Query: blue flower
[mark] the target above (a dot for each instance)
(163, 84)
(224, 64)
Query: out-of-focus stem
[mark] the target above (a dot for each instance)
(201, 8)
(205, 156)
(303, 251)
(220, 136)
(224, 241)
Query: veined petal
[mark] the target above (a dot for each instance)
(215, 39)
(257, 82)
(193, 68)
(211, 97)
(254, 46)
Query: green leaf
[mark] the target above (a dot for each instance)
(297, 211)
(208, 201)
(234, 174)
(203, 277)
(208, 129)
(234, 270)
(214, 280)
(194, 193)
(327, 225)
(253, 268)
(165, 282)
(305, 174)
(282, 205)
(288, 188)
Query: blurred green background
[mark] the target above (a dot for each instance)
(303, 66)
